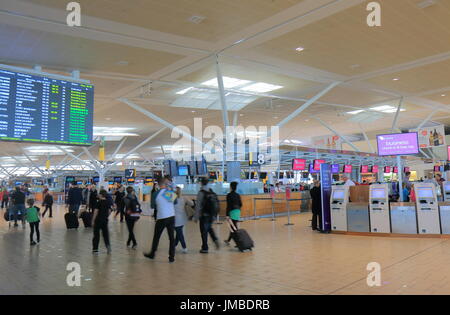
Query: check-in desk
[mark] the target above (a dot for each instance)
(358, 217)
(444, 210)
(403, 218)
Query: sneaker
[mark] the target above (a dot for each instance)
(33, 243)
(95, 251)
(108, 250)
(184, 250)
(227, 243)
(171, 259)
(149, 255)
(204, 251)
(134, 246)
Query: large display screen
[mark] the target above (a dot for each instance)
(44, 110)
(317, 164)
(298, 164)
(378, 193)
(364, 169)
(335, 168)
(425, 192)
(348, 169)
(398, 144)
(183, 170)
(375, 169)
(338, 194)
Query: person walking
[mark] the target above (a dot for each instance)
(165, 218)
(181, 218)
(206, 210)
(92, 199)
(153, 194)
(5, 198)
(32, 217)
(234, 205)
(132, 214)
(74, 198)
(316, 196)
(119, 196)
(100, 222)
(18, 199)
(48, 204)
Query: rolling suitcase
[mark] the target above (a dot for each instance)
(71, 221)
(241, 237)
(87, 219)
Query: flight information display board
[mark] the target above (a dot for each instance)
(45, 110)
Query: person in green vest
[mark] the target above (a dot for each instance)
(234, 205)
(33, 218)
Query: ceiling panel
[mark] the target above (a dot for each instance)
(344, 44)
(222, 17)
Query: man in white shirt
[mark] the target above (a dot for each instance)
(348, 181)
(165, 219)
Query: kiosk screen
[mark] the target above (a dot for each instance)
(378, 193)
(338, 194)
(425, 192)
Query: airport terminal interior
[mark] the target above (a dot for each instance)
(225, 147)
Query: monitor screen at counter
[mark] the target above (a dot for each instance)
(338, 194)
(446, 187)
(425, 192)
(378, 193)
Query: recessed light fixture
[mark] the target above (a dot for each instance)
(443, 95)
(108, 118)
(299, 49)
(192, 111)
(196, 19)
(355, 112)
(123, 63)
(395, 79)
(276, 117)
(241, 115)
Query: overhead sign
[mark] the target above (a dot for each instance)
(325, 187)
(398, 144)
(298, 164)
(430, 137)
(130, 173)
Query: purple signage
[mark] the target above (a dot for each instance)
(325, 187)
(398, 144)
(335, 168)
(311, 169)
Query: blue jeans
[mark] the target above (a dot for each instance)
(19, 209)
(206, 224)
(74, 207)
(179, 238)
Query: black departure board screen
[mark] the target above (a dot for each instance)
(45, 110)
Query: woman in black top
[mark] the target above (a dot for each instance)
(234, 205)
(132, 211)
(100, 221)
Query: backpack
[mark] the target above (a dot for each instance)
(210, 204)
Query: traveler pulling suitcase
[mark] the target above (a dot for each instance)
(241, 237)
(71, 221)
(87, 219)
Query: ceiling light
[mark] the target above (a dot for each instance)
(228, 82)
(261, 87)
(426, 4)
(395, 79)
(443, 95)
(355, 112)
(196, 19)
(123, 63)
(182, 92)
(386, 109)
(299, 49)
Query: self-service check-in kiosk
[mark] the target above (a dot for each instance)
(338, 207)
(380, 221)
(446, 192)
(427, 208)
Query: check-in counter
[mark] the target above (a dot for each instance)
(404, 218)
(358, 217)
(444, 210)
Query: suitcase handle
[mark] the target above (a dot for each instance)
(231, 225)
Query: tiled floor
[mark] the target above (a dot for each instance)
(286, 260)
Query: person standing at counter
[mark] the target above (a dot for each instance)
(234, 205)
(407, 181)
(405, 192)
(348, 181)
(316, 196)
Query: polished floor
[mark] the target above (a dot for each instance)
(287, 260)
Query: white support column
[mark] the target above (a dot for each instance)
(235, 118)
(336, 133)
(366, 138)
(113, 156)
(307, 104)
(427, 119)
(397, 114)
(223, 101)
(77, 158)
(93, 160)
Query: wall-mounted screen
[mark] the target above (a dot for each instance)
(378, 193)
(425, 192)
(311, 169)
(364, 169)
(118, 179)
(335, 168)
(387, 169)
(298, 164)
(406, 169)
(395, 170)
(317, 164)
(348, 169)
(375, 169)
(398, 144)
(339, 194)
(44, 110)
(183, 170)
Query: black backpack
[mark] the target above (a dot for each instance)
(210, 204)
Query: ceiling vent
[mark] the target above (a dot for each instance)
(196, 19)
(427, 3)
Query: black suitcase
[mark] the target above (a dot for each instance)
(87, 219)
(71, 221)
(241, 238)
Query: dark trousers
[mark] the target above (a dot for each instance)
(49, 209)
(206, 224)
(160, 225)
(180, 236)
(130, 225)
(74, 208)
(235, 223)
(120, 210)
(316, 217)
(34, 226)
(103, 227)
(4, 204)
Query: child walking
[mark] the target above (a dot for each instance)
(32, 216)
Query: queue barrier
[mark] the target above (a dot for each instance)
(277, 200)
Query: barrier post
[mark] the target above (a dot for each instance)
(254, 210)
(272, 195)
(288, 197)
